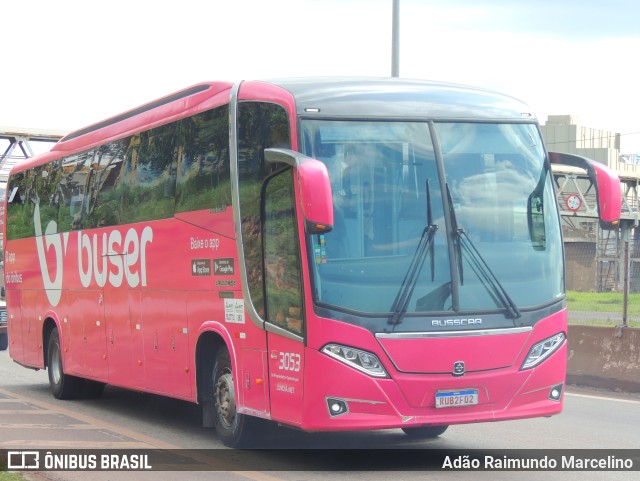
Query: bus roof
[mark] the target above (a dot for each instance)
(400, 98)
(171, 107)
(346, 97)
(320, 97)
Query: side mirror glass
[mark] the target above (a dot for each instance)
(535, 219)
(315, 188)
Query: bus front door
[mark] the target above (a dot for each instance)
(286, 363)
(283, 298)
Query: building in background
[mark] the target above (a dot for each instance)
(562, 133)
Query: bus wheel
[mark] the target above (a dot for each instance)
(62, 385)
(4, 342)
(232, 427)
(425, 432)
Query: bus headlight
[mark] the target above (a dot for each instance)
(361, 360)
(543, 350)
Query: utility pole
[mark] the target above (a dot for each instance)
(395, 40)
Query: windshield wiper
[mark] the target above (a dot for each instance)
(486, 275)
(496, 290)
(454, 228)
(401, 302)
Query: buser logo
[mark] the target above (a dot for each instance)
(113, 258)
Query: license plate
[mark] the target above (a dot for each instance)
(453, 399)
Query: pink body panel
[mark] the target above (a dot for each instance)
(408, 399)
(129, 318)
(437, 355)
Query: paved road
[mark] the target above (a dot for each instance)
(30, 418)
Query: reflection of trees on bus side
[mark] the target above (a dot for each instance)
(177, 167)
(260, 126)
(282, 256)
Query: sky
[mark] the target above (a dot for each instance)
(70, 63)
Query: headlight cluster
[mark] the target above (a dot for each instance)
(361, 360)
(543, 350)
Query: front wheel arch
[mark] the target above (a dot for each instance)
(47, 328)
(234, 429)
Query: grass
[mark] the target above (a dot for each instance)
(602, 308)
(5, 476)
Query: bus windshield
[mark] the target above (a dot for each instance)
(484, 191)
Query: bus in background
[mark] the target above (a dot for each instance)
(330, 254)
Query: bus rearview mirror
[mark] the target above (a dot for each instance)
(315, 188)
(606, 183)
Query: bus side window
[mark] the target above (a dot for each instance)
(153, 179)
(72, 189)
(203, 180)
(48, 197)
(106, 198)
(19, 223)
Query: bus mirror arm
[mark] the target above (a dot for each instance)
(315, 188)
(606, 183)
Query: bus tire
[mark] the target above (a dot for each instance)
(232, 427)
(425, 432)
(63, 386)
(4, 342)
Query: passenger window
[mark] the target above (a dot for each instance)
(151, 175)
(107, 200)
(76, 175)
(19, 212)
(49, 198)
(203, 162)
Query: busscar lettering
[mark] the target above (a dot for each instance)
(456, 322)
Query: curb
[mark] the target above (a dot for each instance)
(604, 357)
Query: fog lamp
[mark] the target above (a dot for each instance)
(337, 406)
(556, 392)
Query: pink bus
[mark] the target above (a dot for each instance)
(329, 254)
